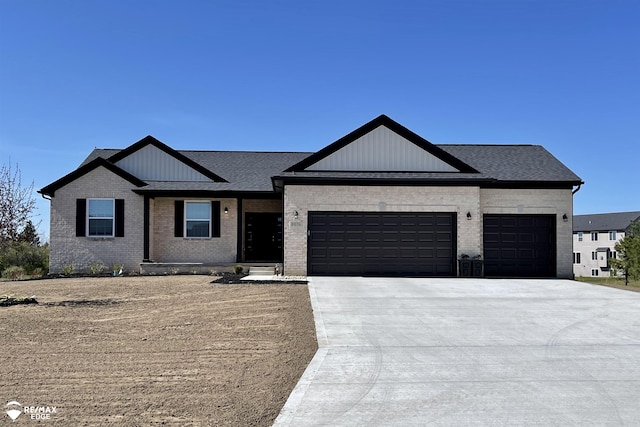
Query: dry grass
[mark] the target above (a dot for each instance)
(612, 282)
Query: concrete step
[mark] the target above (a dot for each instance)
(261, 271)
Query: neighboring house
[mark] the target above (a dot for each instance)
(594, 240)
(380, 201)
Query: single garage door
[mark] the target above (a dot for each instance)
(381, 243)
(519, 245)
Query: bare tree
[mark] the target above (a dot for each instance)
(16, 204)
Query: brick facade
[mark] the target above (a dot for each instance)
(67, 249)
(461, 200)
(531, 201)
(168, 248)
(81, 252)
(305, 198)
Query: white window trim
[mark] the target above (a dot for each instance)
(210, 219)
(112, 218)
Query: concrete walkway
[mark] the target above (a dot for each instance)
(450, 352)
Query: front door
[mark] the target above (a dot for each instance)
(263, 237)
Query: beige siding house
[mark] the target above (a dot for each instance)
(594, 240)
(380, 201)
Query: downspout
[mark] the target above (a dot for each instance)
(577, 189)
(573, 276)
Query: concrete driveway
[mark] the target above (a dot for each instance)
(452, 352)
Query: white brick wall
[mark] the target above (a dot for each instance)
(307, 198)
(461, 200)
(531, 201)
(167, 248)
(82, 251)
(66, 248)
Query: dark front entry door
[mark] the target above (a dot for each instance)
(263, 237)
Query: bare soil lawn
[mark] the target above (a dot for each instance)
(173, 350)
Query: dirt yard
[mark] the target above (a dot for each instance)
(139, 351)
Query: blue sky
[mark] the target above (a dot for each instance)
(291, 75)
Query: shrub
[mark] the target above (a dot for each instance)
(97, 268)
(68, 268)
(36, 273)
(13, 273)
(237, 269)
(24, 255)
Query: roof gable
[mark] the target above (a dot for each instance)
(50, 189)
(382, 145)
(151, 160)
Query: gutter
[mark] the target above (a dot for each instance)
(577, 189)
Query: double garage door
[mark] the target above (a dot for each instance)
(381, 243)
(424, 244)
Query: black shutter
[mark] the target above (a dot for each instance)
(119, 218)
(179, 219)
(81, 217)
(215, 218)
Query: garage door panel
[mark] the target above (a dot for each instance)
(519, 245)
(385, 243)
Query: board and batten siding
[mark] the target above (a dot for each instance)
(382, 150)
(152, 164)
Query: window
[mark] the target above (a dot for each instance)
(594, 236)
(100, 217)
(594, 256)
(612, 235)
(594, 272)
(614, 255)
(576, 258)
(197, 219)
(580, 234)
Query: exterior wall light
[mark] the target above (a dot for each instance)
(295, 214)
(565, 218)
(469, 216)
(226, 210)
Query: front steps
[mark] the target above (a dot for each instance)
(261, 271)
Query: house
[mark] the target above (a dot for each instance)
(382, 200)
(594, 240)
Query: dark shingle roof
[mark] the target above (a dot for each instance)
(252, 171)
(246, 171)
(616, 221)
(513, 162)
(530, 164)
